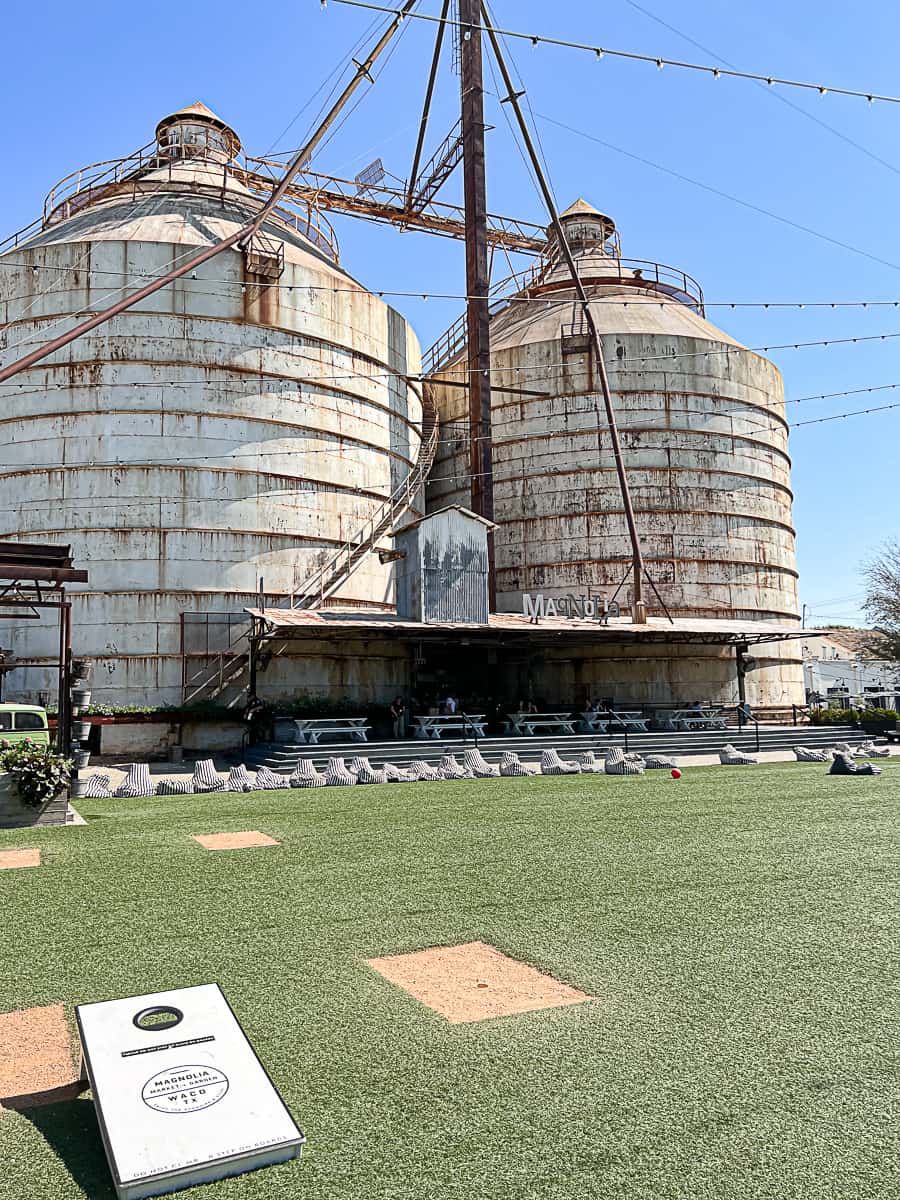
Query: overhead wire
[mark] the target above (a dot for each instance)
(335, 73)
(654, 299)
(538, 39)
(715, 191)
(768, 91)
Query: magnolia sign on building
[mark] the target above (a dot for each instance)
(583, 607)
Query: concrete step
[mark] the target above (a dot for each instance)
(285, 756)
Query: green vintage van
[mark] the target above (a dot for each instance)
(21, 721)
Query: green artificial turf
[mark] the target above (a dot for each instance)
(738, 928)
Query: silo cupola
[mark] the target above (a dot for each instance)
(587, 231)
(196, 132)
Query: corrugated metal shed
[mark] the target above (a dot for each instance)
(443, 574)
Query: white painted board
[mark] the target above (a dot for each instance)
(182, 1103)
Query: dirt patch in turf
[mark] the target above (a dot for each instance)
(10, 859)
(36, 1058)
(473, 982)
(234, 841)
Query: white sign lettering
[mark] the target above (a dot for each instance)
(181, 1097)
(585, 608)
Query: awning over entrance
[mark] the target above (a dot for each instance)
(287, 624)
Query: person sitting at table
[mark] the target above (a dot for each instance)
(450, 705)
(697, 708)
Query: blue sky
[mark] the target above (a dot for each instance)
(88, 82)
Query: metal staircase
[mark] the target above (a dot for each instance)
(228, 672)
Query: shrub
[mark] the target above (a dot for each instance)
(40, 773)
(833, 716)
(851, 716)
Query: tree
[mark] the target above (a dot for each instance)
(882, 604)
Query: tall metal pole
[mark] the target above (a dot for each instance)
(638, 607)
(426, 107)
(477, 273)
(242, 236)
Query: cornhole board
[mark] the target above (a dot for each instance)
(181, 1097)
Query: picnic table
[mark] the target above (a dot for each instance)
(690, 718)
(310, 730)
(434, 727)
(526, 723)
(630, 719)
(593, 722)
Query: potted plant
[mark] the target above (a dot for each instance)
(82, 758)
(81, 695)
(81, 669)
(33, 784)
(81, 730)
(877, 720)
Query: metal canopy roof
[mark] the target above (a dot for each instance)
(45, 564)
(286, 624)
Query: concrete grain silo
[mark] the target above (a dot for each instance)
(236, 426)
(704, 440)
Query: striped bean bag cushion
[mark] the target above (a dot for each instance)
(306, 776)
(476, 763)
(870, 750)
(659, 762)
(451, 769)
(804, 754)
(337, 775)
(137, 782)
(511, 766)
(365, 772)
(98, 787)
(729, 757)
(397, 774)
(424, 772)
(174, 787)
(206, 777)
(552, 764)
(589, 763)
(238, 780)
(617, 764)
(270, 781)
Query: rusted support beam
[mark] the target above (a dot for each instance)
(241, 237)
(639, 609)
(426, 108)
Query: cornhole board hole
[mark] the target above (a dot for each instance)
(181, 1097)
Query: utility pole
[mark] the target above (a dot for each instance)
(477, 274)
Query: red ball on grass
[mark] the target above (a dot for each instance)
(676, 774)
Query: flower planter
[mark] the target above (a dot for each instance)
(81, 696)
(14, 813)
(81, 730)
(877, 727)
(81, 668)
(82, 758)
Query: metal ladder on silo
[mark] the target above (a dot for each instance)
(324, 582)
